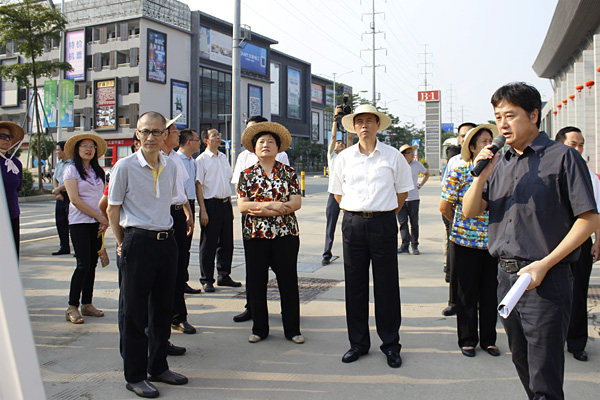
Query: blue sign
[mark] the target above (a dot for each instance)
(416, 142)
(254, 59)
(448, 127)
(228, 145)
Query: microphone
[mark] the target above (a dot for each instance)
(497, 144)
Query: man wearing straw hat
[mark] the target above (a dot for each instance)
(371, 180)
(140, 194)
(11, 136)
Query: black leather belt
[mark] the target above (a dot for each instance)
(513, 266)
(177, 207)
(225, 200)
(368, 214)
(157, 235)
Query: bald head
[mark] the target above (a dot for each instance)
(151, 115)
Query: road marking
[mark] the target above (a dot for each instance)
(38, 239)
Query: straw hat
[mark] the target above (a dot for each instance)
(465, 152)
(407, 146)
(172, 121)
(70, 145)
(15, 130)
(271, 127)
(348, 120)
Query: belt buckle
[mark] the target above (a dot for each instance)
(512, 266)
(162, 235)
(367, 214)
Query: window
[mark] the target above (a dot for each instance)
(215, 93)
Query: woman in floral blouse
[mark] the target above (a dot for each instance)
(475, 268)
(268, 194)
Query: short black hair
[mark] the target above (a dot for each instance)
(452, 151)
(561, 136)
(185, 135)
(259, 134)
(470, 124)
(520, 94)
(257, 118)
(135, 139)
(61, 144)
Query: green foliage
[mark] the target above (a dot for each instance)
(32, 26)
(27, 186)
(307, 156)
(424, 162)
(47, 147)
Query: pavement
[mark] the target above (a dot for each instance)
(83, 361)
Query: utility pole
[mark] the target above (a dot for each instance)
(373, 32)
(425, 64)
(451, 91)
(235, 85)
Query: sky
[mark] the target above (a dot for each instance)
(473, 46)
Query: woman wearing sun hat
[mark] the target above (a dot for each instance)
(269, 194)
(474, 267)
(84, 181)
(11, 136)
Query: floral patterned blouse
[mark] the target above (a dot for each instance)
(257, 186)
(467, 232)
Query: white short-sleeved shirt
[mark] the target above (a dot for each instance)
(246, 159)
(453, 163)
(143, 205)
(596, 186)
(370, 183)
(182, 176)
(190, 167)
(416, 168)
(214, 174)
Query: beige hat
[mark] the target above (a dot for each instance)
(70, 145)
(465, 152)
(384, 119)
(15, 130)
(407, 146)
(172, 121)
(271, 127)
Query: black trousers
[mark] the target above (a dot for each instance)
(16, 230)
(188, 244)
(181, 258)
(61, 216)
(578, 326)
(86, 244)
(449, 259)
(372, 241)
(537, 330)
(332, 212)
(476, 277)
(409, 212)
(216, 238)
(148, 272)
(281, 254)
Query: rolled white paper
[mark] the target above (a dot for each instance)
(514, 294)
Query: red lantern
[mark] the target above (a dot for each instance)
(564, 101)
(598, 68)
(572, 97)
(559, 106)
(554, 112)
(589, 85)
(579, 89)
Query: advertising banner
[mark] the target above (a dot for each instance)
(316, 93)
(293, 95)
(215, 46)
(254, 59)
(67, 87)
(75, 54)
(179, 102)
(254, 100)
(448, 127)
(157, 57)
(430, 95)
(275, 93)
(329, 96)
(105, 105)
(50, 108)
(314, 127)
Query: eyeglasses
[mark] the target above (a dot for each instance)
(88, 146)
(4, 136)
(155, 133)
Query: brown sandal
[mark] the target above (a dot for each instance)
(73, 315)
(91, 311)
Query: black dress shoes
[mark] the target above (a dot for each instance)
(190, 290)
(227, 281)
(143, 389)
(326, 261)
(468, 352)
(170, 377)
(184, 327)
(173, 350)
(493, 351)
(61, 252)
(393, 358)
(352, 355)
(579, 355)
(245, 316)
(208, 287)
(449, 311)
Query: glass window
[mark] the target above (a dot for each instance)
(106, 160)
(214, 112)
(123, 151)
(215, 78)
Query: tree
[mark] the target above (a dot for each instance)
(45, 149)
(32, 26)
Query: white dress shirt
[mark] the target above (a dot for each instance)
(596, 186)
(182, 175)
(214, 174)
(453, 163)
(370, 183)
(246, 159)
(190, 167)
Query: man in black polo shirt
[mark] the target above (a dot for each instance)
(542, 209)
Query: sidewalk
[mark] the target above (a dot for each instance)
(82, 361)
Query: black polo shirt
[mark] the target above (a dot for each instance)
(534, 199)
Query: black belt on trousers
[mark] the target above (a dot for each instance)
(177, 207)
(512, 266)
(369, 214)
(225, 200)
(157, 235)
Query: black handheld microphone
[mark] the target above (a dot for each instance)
(497, 143)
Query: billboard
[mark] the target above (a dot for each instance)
(254, 59)
(430, 95)
(275, 91)
(179, 102)
(314, 127)
(75, 54)
(156, 65)
(328, 96)
(316, 93)
(105, 105)
(215, 46)
(66, 109)
(50, 106)
(254, 100)
(293, 95)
